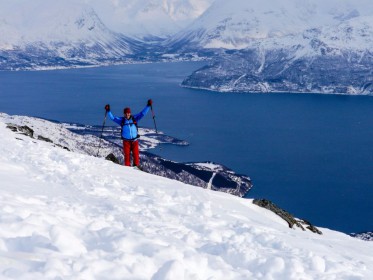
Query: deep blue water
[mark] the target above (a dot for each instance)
(310, 154)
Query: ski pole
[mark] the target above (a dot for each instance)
(155, 125)
(102, 131)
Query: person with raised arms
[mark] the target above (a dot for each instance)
(129, 132)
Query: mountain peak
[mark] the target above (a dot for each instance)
(239, 24)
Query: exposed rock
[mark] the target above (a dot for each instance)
(44, 139)
(112, 158)
(366, 236)
(290, 219)
(12, 127)
(63, 147)
(25, 130)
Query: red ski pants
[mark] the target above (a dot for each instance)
(128, 147)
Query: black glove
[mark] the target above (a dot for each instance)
(150, 102)
(107, 107)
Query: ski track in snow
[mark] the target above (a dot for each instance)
(65, 215)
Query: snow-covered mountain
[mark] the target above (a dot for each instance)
(45, 34)
(255, 46)
(43, 19)
(296, 46)
(149, 18)
(48, 33)
(68, 215)
(270, 24)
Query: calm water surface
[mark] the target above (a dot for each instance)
(310, 154)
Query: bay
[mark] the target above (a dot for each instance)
(310, 154)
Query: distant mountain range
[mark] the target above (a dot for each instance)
(254, 46)
(287, 46)
(58, 34)
(149, 19)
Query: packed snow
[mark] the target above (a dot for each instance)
(67, 215)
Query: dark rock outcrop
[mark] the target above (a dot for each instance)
(290, 219)
(112, 158)
(42, 138)
(366, 236)
(25, 130)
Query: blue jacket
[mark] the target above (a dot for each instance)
(129, 129)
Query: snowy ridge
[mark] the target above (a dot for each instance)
(82, 139)
(72, 216)
(86, 140)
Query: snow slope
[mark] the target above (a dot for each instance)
(66, 215)
(92, 140)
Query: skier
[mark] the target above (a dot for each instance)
(129, 132)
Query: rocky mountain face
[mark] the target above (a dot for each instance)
(367, 236)
(279, 71)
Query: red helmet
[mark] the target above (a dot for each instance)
(127, 110)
